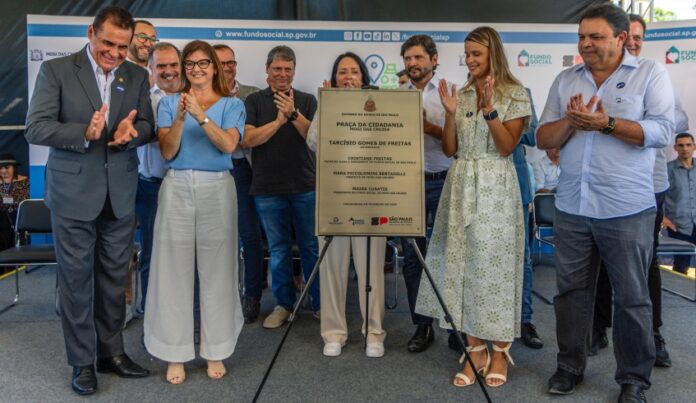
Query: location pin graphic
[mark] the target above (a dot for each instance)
(375, 66)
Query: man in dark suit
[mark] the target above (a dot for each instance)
(93, 110)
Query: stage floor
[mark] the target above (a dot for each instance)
(34, 369)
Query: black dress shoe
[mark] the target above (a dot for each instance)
(661, 355)
(530, 337)
(122, 366)
(423, 337)
(631, 393)
(599, 341)
(563, 382)
(250, 309)
(84, 380)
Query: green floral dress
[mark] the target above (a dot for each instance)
(476, 251)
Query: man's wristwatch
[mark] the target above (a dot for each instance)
(491, 115)
(204, 121)
(293, 116)
(609, 128)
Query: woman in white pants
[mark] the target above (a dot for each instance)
(196, 223)
(349, 71)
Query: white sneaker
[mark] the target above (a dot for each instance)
(375, 350)
(332, 349)
(277, 318)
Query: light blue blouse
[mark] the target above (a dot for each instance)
(196, 150)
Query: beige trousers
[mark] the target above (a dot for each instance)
(334, 283)
(195, 229)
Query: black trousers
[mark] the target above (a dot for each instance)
(603, 298)
(92, 270)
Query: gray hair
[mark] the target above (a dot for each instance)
(281, 52)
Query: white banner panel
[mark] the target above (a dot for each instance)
(536, 52)
(674, 44)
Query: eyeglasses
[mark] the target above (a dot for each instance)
(202, 64)
(142, 38)
(230, 63)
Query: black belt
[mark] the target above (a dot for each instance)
(436, 175)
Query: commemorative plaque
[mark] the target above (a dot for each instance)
(370, 163)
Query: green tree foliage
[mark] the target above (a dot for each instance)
(665, 15)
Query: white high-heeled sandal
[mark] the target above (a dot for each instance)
(506, 351)
(483, 370)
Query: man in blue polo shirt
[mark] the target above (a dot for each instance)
(607, 115)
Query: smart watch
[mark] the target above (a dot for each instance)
(204, 121)
(293, 116)
(491, 115)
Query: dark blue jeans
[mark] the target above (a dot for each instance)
(625, 246)
(146, 211)
(279, 214)
(412, 268)
(528, 278)
(249, 230)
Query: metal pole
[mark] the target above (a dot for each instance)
(368, 289)
(291, 319)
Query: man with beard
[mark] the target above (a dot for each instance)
(144, 38)
(248, 219)
(420, 61)
(164, 63)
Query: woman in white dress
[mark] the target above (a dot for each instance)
(477, 247)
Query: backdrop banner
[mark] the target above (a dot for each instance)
(536, 52)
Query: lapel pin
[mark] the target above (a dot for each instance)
(120, 79)
(120, 88)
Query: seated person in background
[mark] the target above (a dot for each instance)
(546, 171)
(14, 189)
(680, 215)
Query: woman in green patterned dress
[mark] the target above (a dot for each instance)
(477, 247)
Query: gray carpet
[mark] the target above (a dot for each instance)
(34, 369)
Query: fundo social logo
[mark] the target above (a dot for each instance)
(676, 56)
(672, 55)
(526, 59)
